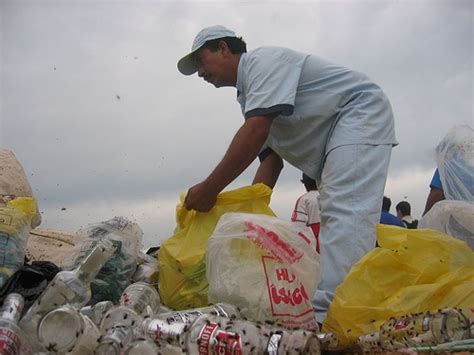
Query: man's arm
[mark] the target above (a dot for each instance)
(243, 149)
(269, 170)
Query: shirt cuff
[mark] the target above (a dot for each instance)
(284, 109)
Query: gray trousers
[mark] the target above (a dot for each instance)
(351, 192)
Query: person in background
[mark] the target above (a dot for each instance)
(436, 192)
(450, 203)
(386, 217)
(330, 122)
(307, 209)
(453, 179)
(403, 209)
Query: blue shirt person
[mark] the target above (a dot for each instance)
(386, 217)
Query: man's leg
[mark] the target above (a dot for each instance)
(351, 191)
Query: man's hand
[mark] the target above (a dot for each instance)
(243, 149)
(200, 197)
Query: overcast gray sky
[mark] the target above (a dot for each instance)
(95, 110)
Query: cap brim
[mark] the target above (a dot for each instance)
(186, 65)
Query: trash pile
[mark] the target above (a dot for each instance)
(79, 312)
(422, 331)
(104, 299)
(257, 271)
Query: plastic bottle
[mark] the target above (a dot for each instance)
(446, 325)
(142, 346)
(469, 314)
(420, 329)
(114, 340)
(170, 327)
(370, 343)
(66, 330)
(214, 334)
(137, 299)
(67, 287)
(97, 311)
(119, 323)
(328, 341)
(12, 338)
(116, 274)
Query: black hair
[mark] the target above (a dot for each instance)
(309, 184)
(386, 204)
(235, 44)
(404, 207)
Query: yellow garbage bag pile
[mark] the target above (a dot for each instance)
(414, 270)
(183, 283)
(15, 224)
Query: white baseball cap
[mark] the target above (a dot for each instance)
(186, 65)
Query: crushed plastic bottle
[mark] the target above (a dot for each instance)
(370, 343)
(446, 325)
(66, 330)
(137, 299)
(116, 274)
(97, 311)
(67, 287)
(420, 329)
(328, 341)
(114, 340)
(142, 346)
(119, 323)
(170, 328)
(218, 335)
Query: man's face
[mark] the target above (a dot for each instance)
(213, 66)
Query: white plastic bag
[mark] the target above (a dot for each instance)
(264, 266)
(455, 218)
(116, 274)
(455, 161)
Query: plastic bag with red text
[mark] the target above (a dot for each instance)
(183, 282)
(264, 266)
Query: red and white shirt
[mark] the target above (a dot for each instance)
(307, 213)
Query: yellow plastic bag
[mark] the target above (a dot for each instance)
(15, 225)
(414, 270)
(183, 282)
